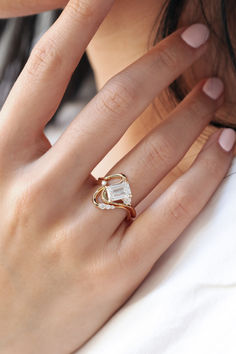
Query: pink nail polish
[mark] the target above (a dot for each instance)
(213, 88)
(227, 139)
(196, 35)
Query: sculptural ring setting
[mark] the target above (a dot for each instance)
(114, 195)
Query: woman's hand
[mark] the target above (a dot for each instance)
(66, 266)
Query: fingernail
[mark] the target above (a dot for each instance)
(213, 88)
(196, 35)
(227, 139)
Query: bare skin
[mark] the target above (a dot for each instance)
(125, 35)
(66, 266)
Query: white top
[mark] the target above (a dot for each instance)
(187, 304)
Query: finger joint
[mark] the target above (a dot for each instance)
(80, 10)
(181, 205)
(116, 98)
(44, 56)
(167, 58)
(160, 150)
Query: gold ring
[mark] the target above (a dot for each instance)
(116, 195)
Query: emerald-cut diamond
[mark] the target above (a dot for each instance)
(119, 191)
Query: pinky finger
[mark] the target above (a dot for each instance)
(159, 226)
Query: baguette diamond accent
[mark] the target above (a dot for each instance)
(105, 206)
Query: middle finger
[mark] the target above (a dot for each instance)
(162, 149)
(105, 119)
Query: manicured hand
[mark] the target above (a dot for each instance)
(65, 265)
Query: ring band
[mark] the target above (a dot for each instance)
(117, 195)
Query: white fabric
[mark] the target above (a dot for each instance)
(187, 304)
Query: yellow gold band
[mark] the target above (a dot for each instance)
(116, 195)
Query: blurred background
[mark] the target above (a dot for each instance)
(17, 38)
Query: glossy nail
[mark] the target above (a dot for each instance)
(196, 35)
(227, 139)
(213, 88)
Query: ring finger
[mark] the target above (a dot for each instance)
(149, 161)
(101, 123)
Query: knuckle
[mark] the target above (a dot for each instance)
(25, 200)
(212, 166)
(44, 56)
(58, 246)
(199, 109)
(160, 150)
(195, 108)
(167, 58)
(116, 98)
(80, 10)
(181, 204)
(21, 200)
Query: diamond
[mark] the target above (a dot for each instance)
(105, 206)
(102, 205)
(119, 191)
(127, 200)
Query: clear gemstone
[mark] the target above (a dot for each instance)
(127, 200)
(120, 191)
(102, 206)
(106, 206)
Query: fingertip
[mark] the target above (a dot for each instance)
(213, 88)
(227, 139)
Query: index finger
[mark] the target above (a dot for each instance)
(40, 87)
(105, 119)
